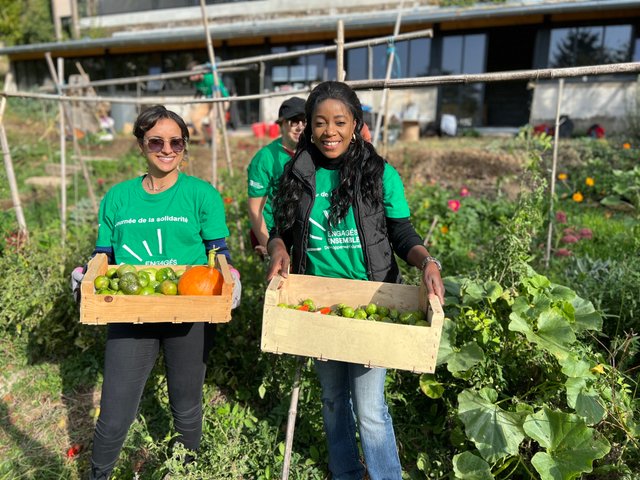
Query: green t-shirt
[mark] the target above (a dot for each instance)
(207, 85)
(263, 175)
(337, 252)
(167, 228)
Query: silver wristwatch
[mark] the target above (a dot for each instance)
(428, 260)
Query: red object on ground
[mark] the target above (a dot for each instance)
(259, 129)
(74, 450)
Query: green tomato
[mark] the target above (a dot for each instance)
(393, 314)
(407, 318)
(114, 283)
(348, 312)
(383, 311)
(371, 309)
(143, 278)
(419, 315)
(310, 303)
(360, 313)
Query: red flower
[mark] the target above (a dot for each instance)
(100, 182)
(454, 205)
(569, 239)
(586, 233)
(228, 200)
(561, 217)
(464, 192)
(569, 231)
(563, 252)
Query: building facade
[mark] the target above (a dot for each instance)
(155, 36)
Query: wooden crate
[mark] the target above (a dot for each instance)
(327, 337)
(102, 309)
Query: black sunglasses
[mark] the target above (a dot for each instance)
(156, 144)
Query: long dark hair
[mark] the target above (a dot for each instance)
(359, 163)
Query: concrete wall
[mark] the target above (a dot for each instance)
(608, 103)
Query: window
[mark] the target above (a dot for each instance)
(411, 59)
(463, 54)
(304, 69)
(580, 46)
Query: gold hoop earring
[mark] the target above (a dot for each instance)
(353, 138)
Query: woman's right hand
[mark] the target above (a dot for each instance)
(279, 259)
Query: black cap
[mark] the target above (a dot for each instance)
(291, 108)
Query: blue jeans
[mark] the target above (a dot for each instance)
(349, 388)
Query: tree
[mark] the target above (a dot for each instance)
(23, 22)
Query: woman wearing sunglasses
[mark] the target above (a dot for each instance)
(161, 218)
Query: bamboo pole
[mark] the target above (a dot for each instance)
(554, 162)
(219, 106)
(23, 232)
(413, 82)
(63, 149)
(390, 59)
(248, 63)
(340, 72)
(70, 117)
(291, 420)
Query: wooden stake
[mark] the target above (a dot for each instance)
(23, 233)
(218, 106)
(554, 162)
(390, 60)
(291, 420)
(340, 73)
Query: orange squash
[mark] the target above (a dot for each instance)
(201, 279)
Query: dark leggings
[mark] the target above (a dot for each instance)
(130, 355)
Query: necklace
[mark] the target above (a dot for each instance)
(152, 188)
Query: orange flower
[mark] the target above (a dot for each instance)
(444, 229)
(562, 176)
(590, 182)
(626, 145)
(577, 197)
(228, 200)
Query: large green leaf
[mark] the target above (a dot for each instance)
(553, 332)
(468, 466)
(431, 387)
(586, 316)
(495, 432)
(584, 400)
(472, 292)
(560, 292)
(493, 290)
(469, 355)
(569, 443)
(447, 341)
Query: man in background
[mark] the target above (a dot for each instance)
(266, 168)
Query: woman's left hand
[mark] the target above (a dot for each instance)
(433, 281)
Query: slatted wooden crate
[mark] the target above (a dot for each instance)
(327, 337)
(102, 309)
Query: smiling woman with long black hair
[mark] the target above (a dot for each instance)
(341, 212)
